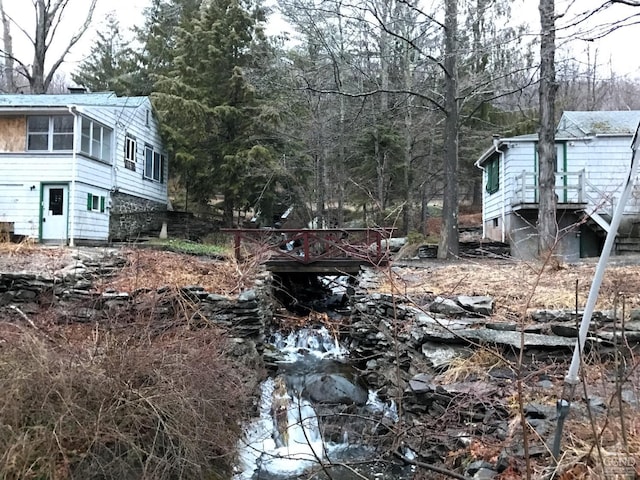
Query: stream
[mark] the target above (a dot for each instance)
(315, 415)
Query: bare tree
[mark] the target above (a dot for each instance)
(449, 235)
(547, 225)
(48, 25)
(8, 78)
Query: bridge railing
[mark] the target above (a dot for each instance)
(312, 245)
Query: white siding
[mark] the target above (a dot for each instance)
(19, 205)
(132, 121)
(606, 162)
(30, 168)
(518, 157)
(90, 225)
(23, 173)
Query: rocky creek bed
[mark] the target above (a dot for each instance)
(448, 363)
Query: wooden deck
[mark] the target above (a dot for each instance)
(326, 251)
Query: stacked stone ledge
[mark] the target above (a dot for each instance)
(68, 292)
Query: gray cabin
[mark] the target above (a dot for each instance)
(593, 159)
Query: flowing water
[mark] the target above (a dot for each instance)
(289, 437)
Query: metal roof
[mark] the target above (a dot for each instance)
(100, 99)
(574, 125)
(589, 124)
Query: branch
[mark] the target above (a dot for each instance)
(17, 25)
(7, 55)
(413, 45)
(370, 93)
(72, 42)
(52, 19)
(421, 12)
(433, 468)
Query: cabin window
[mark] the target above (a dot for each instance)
(95, 203)
(96, 140)
(493, 176)
(49, 133)
(130, 149)
(154, 163)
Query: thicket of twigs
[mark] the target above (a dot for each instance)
(125, 406)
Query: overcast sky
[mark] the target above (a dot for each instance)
(616, 49)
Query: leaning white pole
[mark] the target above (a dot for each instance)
(571, 380)
(572, 374)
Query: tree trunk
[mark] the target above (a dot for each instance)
(8, 74)
(407, 211)
(476, 198)
(320, 189)
(547, 225)
(381, 152)
(449, 235)
(227, 210)
(424, 211)
(49, 15)
(36, 80)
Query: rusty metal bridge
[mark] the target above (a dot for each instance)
(327, 251)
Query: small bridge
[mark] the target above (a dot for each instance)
(328, 251)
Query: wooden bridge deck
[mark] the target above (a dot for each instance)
(327, 251)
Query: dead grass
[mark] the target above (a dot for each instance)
(476, 366)
(23, 247)
(510, 284)
(139, 396)
(151, 269)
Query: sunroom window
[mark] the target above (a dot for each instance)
(49, 132)
(96, 140)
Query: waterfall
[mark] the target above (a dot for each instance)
(316, 342)
(285, 439)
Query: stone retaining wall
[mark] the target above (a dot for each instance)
(69, 295)
(394, 339)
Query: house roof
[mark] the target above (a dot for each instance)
(589, 124)
(100, 99)
(574, 125)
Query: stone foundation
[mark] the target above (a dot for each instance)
(131, 216)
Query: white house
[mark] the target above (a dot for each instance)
(81, 167)
(593, 159)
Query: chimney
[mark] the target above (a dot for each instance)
(77, 90)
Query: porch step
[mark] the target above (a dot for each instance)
(627, 245)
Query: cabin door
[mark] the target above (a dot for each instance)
(55, 212)
(562, 182)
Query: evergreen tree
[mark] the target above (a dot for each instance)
(106, 67)
(158, 37)
(215, 124)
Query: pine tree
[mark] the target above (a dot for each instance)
(107, 66)
(213, 120)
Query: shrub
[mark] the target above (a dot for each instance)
(123, 406)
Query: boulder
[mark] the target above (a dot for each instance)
(481, 305)
(446, 306)
(334, 388)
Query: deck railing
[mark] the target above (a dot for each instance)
(571, 188)
(312, 245)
